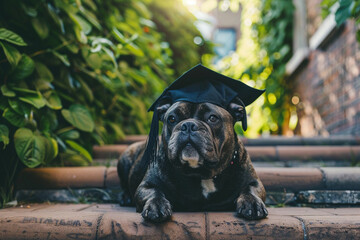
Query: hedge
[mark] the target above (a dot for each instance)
(81, 72)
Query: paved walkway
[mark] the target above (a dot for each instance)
(110, 221)
(312, 186)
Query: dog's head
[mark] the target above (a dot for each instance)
(199, 138)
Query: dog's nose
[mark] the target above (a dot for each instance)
(189, 127)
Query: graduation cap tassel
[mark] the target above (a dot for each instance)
(244, 117)
(152, 141)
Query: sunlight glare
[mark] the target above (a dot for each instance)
(190, 3)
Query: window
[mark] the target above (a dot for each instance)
(225, 40)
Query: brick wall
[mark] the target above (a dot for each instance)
(314, 18)
(329, 87)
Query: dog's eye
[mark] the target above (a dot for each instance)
(213, 118)
(171, 119)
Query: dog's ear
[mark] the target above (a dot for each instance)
(161, 109)
(238, 111)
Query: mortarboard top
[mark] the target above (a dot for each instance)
(199, 85)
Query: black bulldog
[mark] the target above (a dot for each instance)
(201, 165)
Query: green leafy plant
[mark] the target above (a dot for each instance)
(346, 9)
(74, 73)
(262, 53)
(78, 73)
(177, 25)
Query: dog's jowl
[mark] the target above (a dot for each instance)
(199, 163)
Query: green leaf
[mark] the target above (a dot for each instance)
(51, 149)
(34, 99)
(24, 69)
(14, 118)
(86, 90)
(82, 151)
(84, 25)
(55, 147)
(355, 9)
(40, 27)
(80, 35)
(30, 11)
(7, 92)
(66, 6)
(62, 57)
(43, 85)
(73, 159)
(30, 148)
(71, 134)
(119, 36)
(53, 14)
(91, 18)
(24, 90)
(4, 134)
(92, 59)
(343, 12)
(79, 117)
(111, 56)
(53, 101)
(11, 37)
(48, 121)
(44, 72)
(127, 42)
(11, 53)
(19, 107)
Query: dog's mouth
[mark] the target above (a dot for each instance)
(190, 156)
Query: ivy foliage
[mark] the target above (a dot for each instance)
(260, 60)
(346, 9)
(176, 23)
(74, 73)
(275, 34)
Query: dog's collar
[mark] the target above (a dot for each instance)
(234, 160)
(234, 157)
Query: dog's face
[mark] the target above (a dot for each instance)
(198, 138)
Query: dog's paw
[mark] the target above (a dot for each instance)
(250, 207)
(157, 210)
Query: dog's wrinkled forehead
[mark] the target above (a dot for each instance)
(190, 110)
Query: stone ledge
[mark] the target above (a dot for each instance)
(274, 179)
(277, 140)
(61, 177)
(109, 221)
(266, 153)
(309, 198)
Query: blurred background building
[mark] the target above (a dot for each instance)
(221, 23)
(325, 69)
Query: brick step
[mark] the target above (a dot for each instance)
(344, 154)
(278, 140)
(110, 221)
(274, 179)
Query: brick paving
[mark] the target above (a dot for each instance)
(299, 186)
(110, 221)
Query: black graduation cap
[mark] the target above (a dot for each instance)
(199, 85)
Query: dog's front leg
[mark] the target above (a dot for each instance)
(250, 204)
(152, 204)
